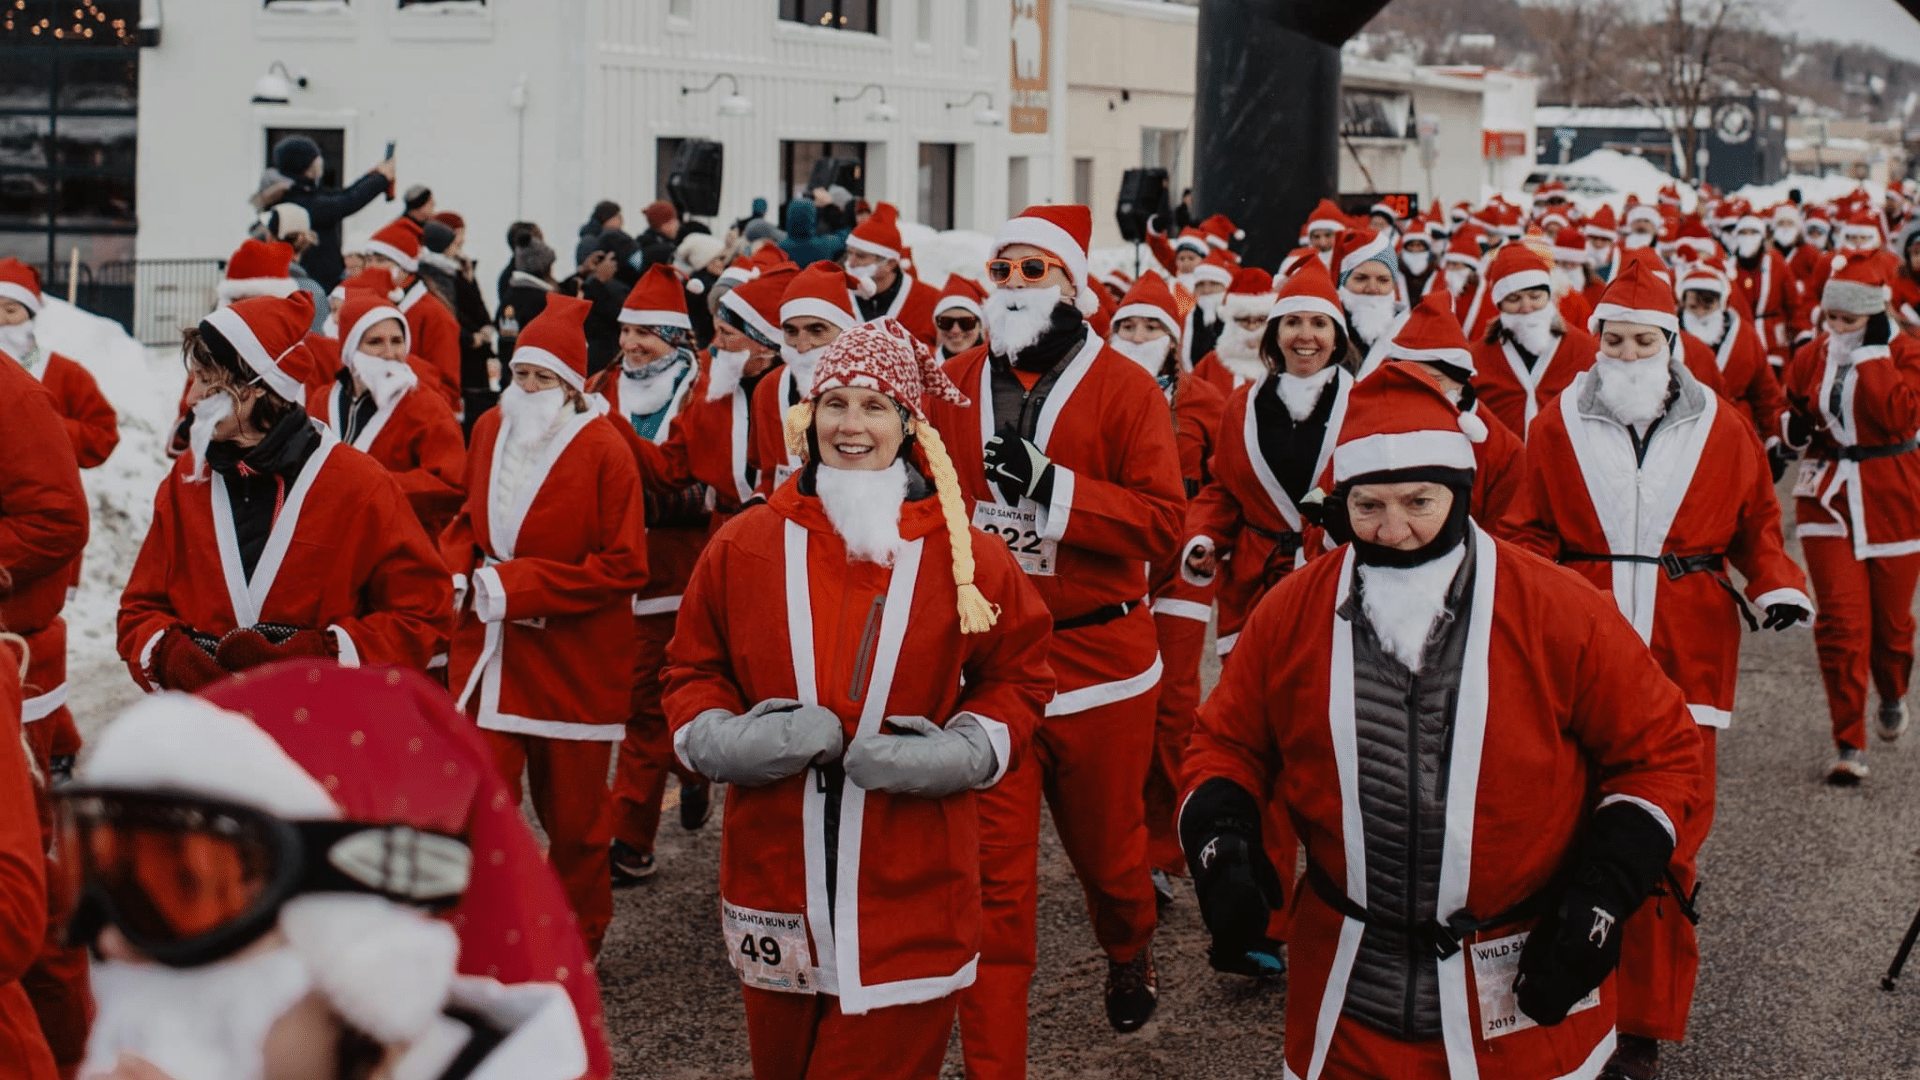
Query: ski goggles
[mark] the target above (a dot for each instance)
(1031, 269)
(189, 880)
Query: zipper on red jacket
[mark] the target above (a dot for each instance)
(863, 661)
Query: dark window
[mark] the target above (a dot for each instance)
(936, 185)
(331, 141)
(1382, 114)
(798, 161)
(443, 3)
(860, 15)
(306, 5)
(69, 93)
(664, 151)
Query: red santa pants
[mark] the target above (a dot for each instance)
(1357, 1052)
(1091, 766)
(568, 781)
(1864, 628)
(646, 754)
(1659, 953)
(807, 1037)
(1182, 629)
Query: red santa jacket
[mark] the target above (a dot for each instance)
(416, 439)
(43, 529)
(1703, 488)
(1875, 404)
(1516, 394)
(913, 307)
(560, 568)
(1115, 511)
(1773, 297)
(1560, 708)
(436, 338)
(345, 555)
(23, 888)
(709, 441)
(673, 545)
(1244, 512)
(91, 423)
(1745, 376)
(767, 453)
(1214, 372)
(777, 610)
(1198, 410)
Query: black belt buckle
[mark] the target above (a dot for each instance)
(1674, 566)
(1440, 938)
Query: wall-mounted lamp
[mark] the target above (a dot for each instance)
(987, 117)
(731, 105)
(276, 86)
(881, 113)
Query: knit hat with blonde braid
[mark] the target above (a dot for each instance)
(883, 356)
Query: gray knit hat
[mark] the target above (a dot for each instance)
(1857, 287)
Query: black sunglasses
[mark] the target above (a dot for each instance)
(956, 322)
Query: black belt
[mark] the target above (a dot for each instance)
(1099, 616)
(1443, 938)
(1676, 566)
(1868, 453)
(1288, 542)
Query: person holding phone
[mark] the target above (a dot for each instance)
(298, 158)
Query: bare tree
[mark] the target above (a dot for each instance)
(1693, 54)
(1573, 59)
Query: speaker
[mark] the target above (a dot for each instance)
(847, 172)
(1143, 194)
(694, 183)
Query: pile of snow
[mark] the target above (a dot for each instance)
(1813, 189)
(144, 388)
(937, 254)
(1625, 174)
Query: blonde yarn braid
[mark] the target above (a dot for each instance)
(18, 642)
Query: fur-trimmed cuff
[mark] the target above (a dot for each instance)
(1787, 596)
(349, 652)
(489, 595)
(1053, 519)
(1001, 739)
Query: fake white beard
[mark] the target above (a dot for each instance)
(1301, 393)
(864, 506)
(724, 371)
(17, 341)
(1245, 369)
(645, 390)
(1747, 245)
(1819, 237)
(1457, 279)
(1209, 305)
(1840, 346)
(1185, 280)
(1635, 390)
(864, 273)
(1563, 281)
(1326, 258)
(1786, 235)
(1533, 331)
(1635, 240)
(1238, 344)
(1708, 328)
(1416, 262)
(531, 419)
(1150, 354)
(385, 379)
(207, 1023)
(1599, 254)
(1371, 315)
(802, 364)
(1016, 318)
(207, 414)
(1402, 602)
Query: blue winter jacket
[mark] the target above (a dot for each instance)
(801, 245)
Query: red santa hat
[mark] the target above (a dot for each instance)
(1464, 247)
(1251, 293)
(879, 234)
(20, 283)
(1817, 214)
(1707, 275)
(1548, 191)
(1150, 299)
(961, 294)
(1191, 239)
(292, 740)
(1355, 246)
(1309, 289)
(1784, 213)
(1569, 245)
(1217, 267)
(1115, 278)
(1643, 212)
(1294, 259)
(257, 268)
(1432, 334)
(1516, 267)
(1064, 231)
(1857, 286)
(1863, 224)
(822, 291)
(365, 305)
(1637, 294)
(1326, 216)
(755, 305)
(738, 272)
(1221, 230)
(263, 330)
(1460, 212)
(1601, 226)
(659, 298)
(398, 240)
(556, 339)
(1670, 195)
(1399, 419)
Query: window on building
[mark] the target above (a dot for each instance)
(971, 15)
(1383, 114)
(936, 185)
(664, 152)
(331, 141)
(859, 15)
(1160, 149)
(1083, 181)
(69, 89)
(1017, 185)
(450, 5)
(803, 165)
(680, 9)
(305, 5)
(923, 22)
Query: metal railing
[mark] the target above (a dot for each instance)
(153, 298)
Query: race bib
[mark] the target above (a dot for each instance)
(768, 948)
(1812, 472)
(1496, 963)
(1019, 527)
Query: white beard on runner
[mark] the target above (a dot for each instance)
(1708, 328)
(17, 341)
(1239, 350)
(802, 365)
(1150, 354)
(385, 379)
(1532, 331)
(1416, 262)
(208, 1023)
(1403, 602)
(1371, 315)
(207, 414)
(1300, 393)
(1457, 279)
(864, 506)
(1016, 318)
(1635, 390)
(724, 372)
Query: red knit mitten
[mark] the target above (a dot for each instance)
(179, 663)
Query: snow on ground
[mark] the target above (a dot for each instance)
(937, 254)
(143, 386)
(1626, 174)
(1813, 189)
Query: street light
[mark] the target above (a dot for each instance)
(273, 88)
(731, 105)
(987, 117)
(882, 112)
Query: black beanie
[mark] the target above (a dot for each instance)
(293, 155)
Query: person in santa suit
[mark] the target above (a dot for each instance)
(1487, 769)
(1603, 251)
(1180, 256)
(1714, 332)
(1201, 325)
(1812, 253)
(435, 330)
(547, 555)
(649, 388)
(1788, 238)
(1116, 282)
(907, 672)
(1854, 398)
(1364, 268)
(1905, 301)
(25, 885)
(1145, 331)
(1529, 354)
(1417, 260)
(1323, 229)
(957, 315)
(1462, 272)
(875, 255)
(1066, 451)
(1645, 482)
(1773, 296)
(271, 539)
(374, 407)
(1572, 275)
(817, 306)
(315, 872)
(1235, 359)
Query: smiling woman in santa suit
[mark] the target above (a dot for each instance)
(271, 538)
(785, 679)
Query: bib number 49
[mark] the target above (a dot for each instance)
(768, 948)
(760, 950)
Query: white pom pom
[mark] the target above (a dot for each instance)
(1474, 428)
(696, 286)
(863, 286)
(1239, 234)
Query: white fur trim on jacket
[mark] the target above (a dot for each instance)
(1615, 313)
(1390, 451)
(233, 289)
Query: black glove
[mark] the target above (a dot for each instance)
(1232, 878)
(1799, 426)
(1879, 331)
(1019, 469)
(1573, 948)
(1785, 616)
(1779, 456)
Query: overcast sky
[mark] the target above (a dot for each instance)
(1875, 22)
